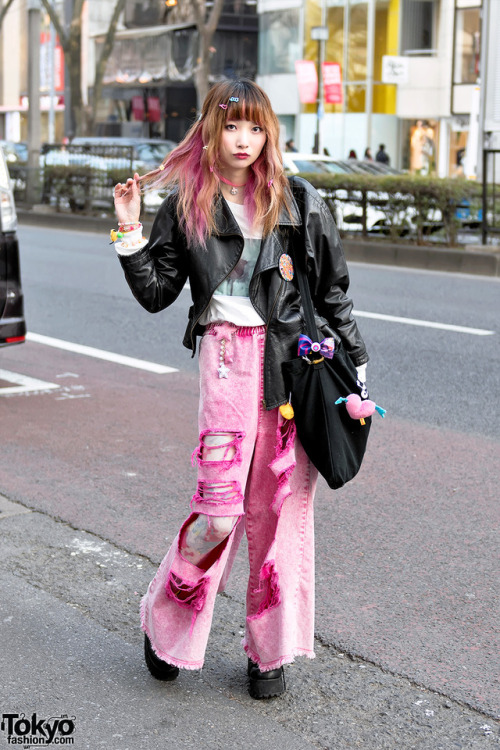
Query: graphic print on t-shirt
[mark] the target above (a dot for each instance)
(237, 283)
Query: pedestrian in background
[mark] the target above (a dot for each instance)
(290, 146)
(232, 224)
(352, 154)
(368, 155)
(381, 155)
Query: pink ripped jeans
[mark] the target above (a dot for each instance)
(253, 476)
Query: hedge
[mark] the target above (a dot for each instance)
(411, 204)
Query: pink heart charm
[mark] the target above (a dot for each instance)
(358, 409)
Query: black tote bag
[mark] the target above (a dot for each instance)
(334, 442)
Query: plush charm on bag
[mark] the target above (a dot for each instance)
(357, 408)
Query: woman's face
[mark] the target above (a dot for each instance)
(241, 144)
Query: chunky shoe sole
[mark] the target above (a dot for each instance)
(158, 668)
(265, 684)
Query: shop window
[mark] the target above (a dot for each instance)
(279, 45)
(467, 45)
(418, 27)
(423, 147)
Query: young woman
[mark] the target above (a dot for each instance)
(233, 224)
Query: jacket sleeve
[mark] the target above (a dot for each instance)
(156, 274)
(327, 272)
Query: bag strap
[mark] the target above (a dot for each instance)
(304, 289)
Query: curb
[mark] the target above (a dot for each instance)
(470, 259)
(474, 259)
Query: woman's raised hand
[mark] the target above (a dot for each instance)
(128, 201)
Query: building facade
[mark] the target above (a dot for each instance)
(149, 88)
(422, 114)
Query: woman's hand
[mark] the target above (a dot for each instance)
(128, 201)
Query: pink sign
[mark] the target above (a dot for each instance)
(154, 110)
(307, 81)
(332, 83)
(138, 108)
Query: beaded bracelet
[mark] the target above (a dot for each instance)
(130, 227)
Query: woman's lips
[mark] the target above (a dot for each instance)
(241, 156)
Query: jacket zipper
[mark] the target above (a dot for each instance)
(195, 323)
(267, 324)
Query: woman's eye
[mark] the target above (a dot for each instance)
(258, 129)
(230, 126)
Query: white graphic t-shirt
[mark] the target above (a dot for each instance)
(231, 301)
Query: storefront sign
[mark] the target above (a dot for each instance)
(154, 111)
(51, 62)
(395, 69)
(307, 81)
(138, 108)
(332, 83)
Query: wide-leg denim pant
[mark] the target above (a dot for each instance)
(264, 480)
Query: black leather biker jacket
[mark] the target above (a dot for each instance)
(157, 273)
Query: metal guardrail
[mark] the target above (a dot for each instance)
(82, 177)
(490, 224)
(75, 178)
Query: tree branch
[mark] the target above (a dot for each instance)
(106, 50)
(107, 47)
(214, 16)
(63, 37)
(4, 10)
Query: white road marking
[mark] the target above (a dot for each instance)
(424, 323)
(89, 351)
(24, 384)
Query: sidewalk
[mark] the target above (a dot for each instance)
(71, 647)
(470, 259)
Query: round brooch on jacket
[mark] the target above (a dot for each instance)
(286, 267)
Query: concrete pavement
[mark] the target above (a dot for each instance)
(71, 648)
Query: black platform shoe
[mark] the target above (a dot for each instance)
(158, 668)
(265, 684)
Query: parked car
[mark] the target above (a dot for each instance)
(147, 153)
(316, 163)
(16, 156)
(346, 206)
(12, 323)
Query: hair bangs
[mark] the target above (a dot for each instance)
(248, 107)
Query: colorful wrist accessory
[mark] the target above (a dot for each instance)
(123, 229)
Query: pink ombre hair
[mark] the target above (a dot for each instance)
(193, 166)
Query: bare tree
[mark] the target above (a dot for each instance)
(206, 29)
(196, 11)
(71, 42)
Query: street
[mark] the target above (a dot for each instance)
(95, 464)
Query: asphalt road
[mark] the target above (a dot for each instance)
(407, 574)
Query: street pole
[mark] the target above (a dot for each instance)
(69, 125)
(319, 34)
(34, 120)
(483, 83)
(52, 84)
(370, 52)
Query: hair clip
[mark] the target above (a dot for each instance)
(211, 169)
(269, 184)
(223, 106)
(205, 148)
(234, 98)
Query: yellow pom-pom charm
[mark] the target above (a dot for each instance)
(286, 411)
(114, 235)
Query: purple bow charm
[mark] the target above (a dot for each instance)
(326, 347)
